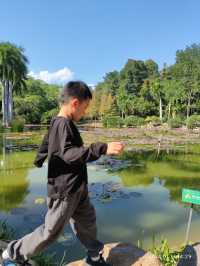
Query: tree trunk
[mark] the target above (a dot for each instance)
(2, 102)
(188, 107)
(174, 109)
(174, 114)
(3, 162)
(169, 110)
(160, 110)
(5, 103)
(10, 103)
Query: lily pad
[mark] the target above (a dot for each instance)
(105, 198)
(107, 192)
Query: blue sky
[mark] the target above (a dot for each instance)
(84, 39)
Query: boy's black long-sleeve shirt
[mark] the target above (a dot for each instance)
(67, 157)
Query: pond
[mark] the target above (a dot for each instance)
(136, 201)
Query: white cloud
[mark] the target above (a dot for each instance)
(91, 86)
(60, 76)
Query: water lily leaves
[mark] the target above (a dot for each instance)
(107, 192)
(105, 198)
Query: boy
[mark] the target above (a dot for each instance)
(67, 199)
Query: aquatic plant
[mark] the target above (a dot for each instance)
(166, 255)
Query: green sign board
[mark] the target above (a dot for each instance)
(191, 196)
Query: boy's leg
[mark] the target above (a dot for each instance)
(58, 214)
(83, 223)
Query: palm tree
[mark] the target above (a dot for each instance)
(13, 71)
(157, 93)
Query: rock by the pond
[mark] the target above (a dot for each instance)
(120, 254)
(190, 256)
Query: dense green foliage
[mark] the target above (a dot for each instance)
(1, 127)
(133, 121)
(154, 120)
(175, 122)
(46, 117)
(140, 89)
(13, 73)
(17, 125)
(139, 93)
(112, 121)
(193, 121)
(37, 104)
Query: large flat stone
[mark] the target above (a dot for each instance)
(121, 254)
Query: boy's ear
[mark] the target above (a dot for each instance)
(75, 102)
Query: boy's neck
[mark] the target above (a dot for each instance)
(65, 114)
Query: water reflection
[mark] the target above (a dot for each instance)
(13, 177)
(158, 176)
(175, 169)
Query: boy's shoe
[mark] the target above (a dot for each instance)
(5, 262)
(99, 262)
(9, 262)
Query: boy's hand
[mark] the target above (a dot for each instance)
(115, 148)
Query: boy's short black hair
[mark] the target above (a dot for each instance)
(75, 89)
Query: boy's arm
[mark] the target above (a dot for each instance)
(77, 155)
(42, 152)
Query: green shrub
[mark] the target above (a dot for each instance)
(175, 122)
(46, 117)
(17, 124)
(193, 121)
(112, 121)
(167, 256)
(155, 120)
(133, 121)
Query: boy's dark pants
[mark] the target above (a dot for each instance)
(75, 209)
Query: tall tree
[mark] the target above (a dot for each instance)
(187, 71)
(157, 92)
(112, 82)
(133, 75)
(106, 104)
(13, 71)
(152, 68)
(93, 110)
(123, 101)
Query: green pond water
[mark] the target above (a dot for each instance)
(152, 184)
